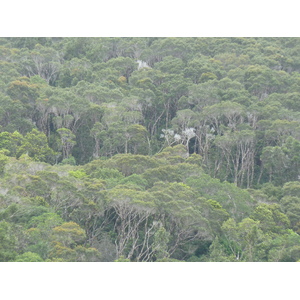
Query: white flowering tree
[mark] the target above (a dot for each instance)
(172, 138)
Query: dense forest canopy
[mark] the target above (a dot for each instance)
(149, 149)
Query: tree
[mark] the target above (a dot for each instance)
(261, 81)
(290, 203)
(129, 164)
(67, 141)
(170, 64)
(238, 149)
(24, 91)
(14, 116)
(68, 234)
(135, 139)
(271, 218)
(8, 242)
(237, 202)
(160, 244)
(39, 233)
(124, 65)
(35, 144)
(217, 252)
(201, 95)
(132, 210)
(162, 47)
(42, 61)
(275, 162)
(242, 239)
(202, 69)
(284, 248)
(74, 71)
(28, 257)
(3, 161)
(97, 132)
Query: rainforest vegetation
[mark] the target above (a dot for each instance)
(149, 149)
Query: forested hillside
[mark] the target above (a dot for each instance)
(149, 149)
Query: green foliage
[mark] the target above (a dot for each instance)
(68, 233)
(129, 164)
(242, 239)
(36, 146)
(271, 218)
(7, 242)
(122, 259)
(3, 161)
(291, 207)
(161, 239)
(149, 149)
(61, 253)
(28, 257)
(135, 180)
(78, 174)
(163, 173)
(68, 161)
(237, 202)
